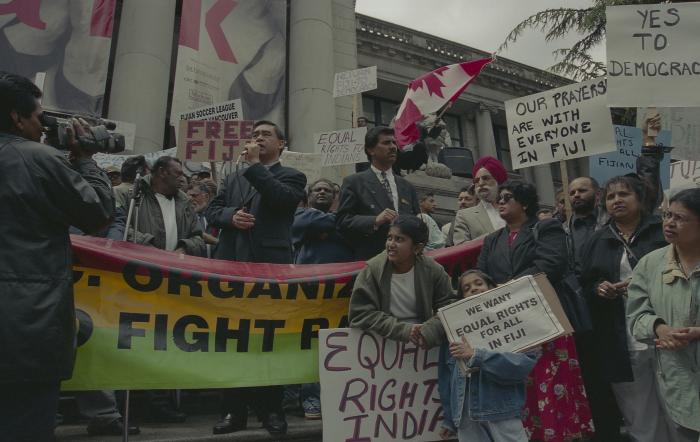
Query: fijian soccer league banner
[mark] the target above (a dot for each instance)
(47, 37)
(150, 319)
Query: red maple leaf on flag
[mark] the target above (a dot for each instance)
(432, 82)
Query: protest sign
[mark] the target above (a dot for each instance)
(228, 110)
(624, 159)
(212, 140)
(105, 159)
(513, 317)
(355, 81)
(652, 55)
(559, 124)
(155, 319)
(375, 389)
(684, 125)
(307, 163)
(685, 173)
(346, 146)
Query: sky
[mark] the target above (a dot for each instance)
(481, 24)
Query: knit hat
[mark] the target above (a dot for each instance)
(492, 165)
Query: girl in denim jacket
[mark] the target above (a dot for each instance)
(485, 405)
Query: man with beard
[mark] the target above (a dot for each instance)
(466, 198)
(483, 218)
(584, 194)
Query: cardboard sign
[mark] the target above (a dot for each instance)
(376, 389)
(684, 173)
(684, 125)
(307, 163)
(228, 110)
(559, 124)
(355, 82)
(105, 160)
(624, 159)
(513, 317)
(652, 55)
(212, 140)
(346, 146)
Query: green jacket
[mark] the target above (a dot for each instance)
(369, 303)
(660, 290)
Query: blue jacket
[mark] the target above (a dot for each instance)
(316, 240)
(496, 391)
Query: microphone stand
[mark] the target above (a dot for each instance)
(134, 204)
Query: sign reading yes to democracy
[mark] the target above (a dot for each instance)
(212, 140)
(652, 55)
(346, 146)
(560, 124)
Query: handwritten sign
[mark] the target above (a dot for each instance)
(684, 125)
(514, 317)
(624, 159)
(652, 55)
(212, 140)
(355, 82)
(684, 173)
(559, 124)
(339, 147)
(105, 160)
(375, 389)
(227, 110)
(307, 163)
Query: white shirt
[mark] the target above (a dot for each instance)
(436, 240)
(167, 208)
(402, 303)
(392, 184)
(496, 220)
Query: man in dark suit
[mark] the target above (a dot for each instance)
(370, 200)
(254, 211)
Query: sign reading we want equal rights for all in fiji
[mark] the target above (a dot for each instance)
(560, 124)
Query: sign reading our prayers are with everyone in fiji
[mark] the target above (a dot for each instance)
(652, 55)
(560, 124)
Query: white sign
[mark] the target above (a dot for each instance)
(513, 317)
(346, 146)
(355, 82)
(374, 389)
(307, 163)
(684, 173)
(560, 124)
(652, 55)
(684, 125)
(104, 159)
(228, 110)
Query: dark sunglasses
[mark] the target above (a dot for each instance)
(505, 198)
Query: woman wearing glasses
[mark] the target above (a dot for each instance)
(609, 257)
(662, 309)
(556, 408)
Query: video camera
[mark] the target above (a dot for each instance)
(100, 139)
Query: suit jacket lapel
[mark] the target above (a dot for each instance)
(377, 190)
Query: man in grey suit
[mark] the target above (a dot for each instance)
(482, 219)
(370, 200)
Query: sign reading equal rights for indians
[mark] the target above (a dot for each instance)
(375, 389)
(338, 147)
(652, 55)
(560, 124)
(212, 140)
(155, 319)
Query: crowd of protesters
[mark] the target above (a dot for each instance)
(631, 368)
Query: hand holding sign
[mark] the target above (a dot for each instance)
(461, 350)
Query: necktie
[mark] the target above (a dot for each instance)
(387, 187)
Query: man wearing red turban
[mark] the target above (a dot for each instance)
(482, 219)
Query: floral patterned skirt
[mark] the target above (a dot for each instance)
(556, 407)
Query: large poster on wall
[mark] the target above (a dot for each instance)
(232, 50)
(68, 40)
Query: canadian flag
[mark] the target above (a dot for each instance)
(430, 92)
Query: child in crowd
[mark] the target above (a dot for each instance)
(485, 404)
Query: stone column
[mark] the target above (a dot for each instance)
(486, 140)
(544, 184)
(311, 68)
(142, 68)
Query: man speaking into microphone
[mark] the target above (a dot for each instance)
(254, 211)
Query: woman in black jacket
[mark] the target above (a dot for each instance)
(608, 259)
(556, 408)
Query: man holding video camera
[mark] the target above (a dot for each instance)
(41, 195)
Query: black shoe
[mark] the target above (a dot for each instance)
(167, 415)
(229, 424)
(275, 424)
(114, 428)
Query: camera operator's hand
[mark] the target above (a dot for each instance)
(80, 129)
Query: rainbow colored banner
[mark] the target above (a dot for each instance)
(150, 319)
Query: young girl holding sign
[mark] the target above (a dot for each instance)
(485, 404)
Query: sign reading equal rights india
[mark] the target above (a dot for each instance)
(152, 319)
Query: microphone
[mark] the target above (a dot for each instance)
(243, 153)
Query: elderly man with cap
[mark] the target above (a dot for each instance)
(482, 219)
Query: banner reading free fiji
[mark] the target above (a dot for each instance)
(151, 319)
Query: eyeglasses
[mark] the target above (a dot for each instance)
(676, 218)
(505, 198)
